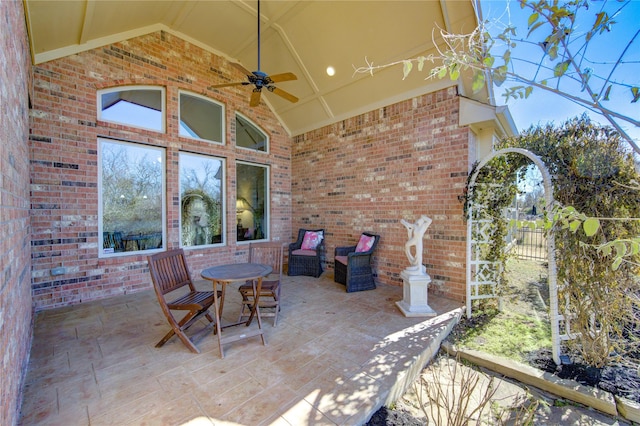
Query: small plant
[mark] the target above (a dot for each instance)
(521, 412)
(455, 394)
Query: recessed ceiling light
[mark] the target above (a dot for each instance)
(331, 71)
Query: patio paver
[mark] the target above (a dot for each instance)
(333, 359)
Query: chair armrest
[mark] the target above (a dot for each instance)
(359, 260)
(294, 246)
(360, 254)
(344, 251)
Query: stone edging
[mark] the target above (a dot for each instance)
(568, 389)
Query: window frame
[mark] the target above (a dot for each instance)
(258, 128)
(223, 114)
(223, 196)
(163, 106)
(266, 224)
(163, 179)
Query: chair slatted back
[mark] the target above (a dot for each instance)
(268, 254)
(271, 254)
(169, 271)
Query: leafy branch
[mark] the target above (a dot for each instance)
(492, 59)
(622, 249)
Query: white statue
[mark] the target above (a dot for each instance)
(416, 233)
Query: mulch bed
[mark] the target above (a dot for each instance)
(387, 417)
(618, 379)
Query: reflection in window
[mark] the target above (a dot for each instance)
(131, 197)
(201, 196)
(201, 118)
(139, 107)
(252, 207)
(248, 135)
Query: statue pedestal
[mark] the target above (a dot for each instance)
(415, 295)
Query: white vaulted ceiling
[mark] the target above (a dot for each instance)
(299, 36)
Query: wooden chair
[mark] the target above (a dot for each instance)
(113, 240)
(269, 254)
(353, 264)
(171, 277)
(303, 261)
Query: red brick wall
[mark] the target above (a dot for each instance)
(399, 162)
(64, 173)
(15, 258)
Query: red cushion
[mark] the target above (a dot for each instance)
(311, 240)
(342, 259)
(301, 252)
(365, 243)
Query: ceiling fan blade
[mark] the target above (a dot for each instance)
(287, 76)
(241, 68)
(255, 98)
(237, 83)
(288, 96)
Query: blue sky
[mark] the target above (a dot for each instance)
(541, 106)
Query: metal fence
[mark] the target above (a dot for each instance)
(530, 243)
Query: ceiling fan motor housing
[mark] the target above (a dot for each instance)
(260, 79)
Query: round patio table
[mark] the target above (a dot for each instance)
(227, 274)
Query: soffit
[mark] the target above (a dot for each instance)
(299, 36)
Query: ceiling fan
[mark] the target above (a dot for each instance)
(261, 80)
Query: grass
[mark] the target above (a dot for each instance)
(521, 327)
(506, 334)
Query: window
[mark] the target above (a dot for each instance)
(201, 118)
(201, 200)
(131, 197)
(141, 106)
(249, 136)
(252, 201)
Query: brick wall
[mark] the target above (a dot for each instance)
(398, 162)
(15, 298)
(364, 173)
(64, 173)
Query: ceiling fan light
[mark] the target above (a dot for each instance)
(331, 71)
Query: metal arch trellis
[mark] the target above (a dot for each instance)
(481, 273)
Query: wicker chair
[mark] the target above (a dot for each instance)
(353, 268)
(306, 262)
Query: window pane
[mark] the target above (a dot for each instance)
(201, 199)
(135, 107)
(248, 135)
(201, 118)
(131, 197)
(252, 207)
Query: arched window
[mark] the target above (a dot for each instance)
(137, 106)
(201, 118)
(250, 136)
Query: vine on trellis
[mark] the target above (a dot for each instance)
(595, 175)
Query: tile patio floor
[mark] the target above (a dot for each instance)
(333, 359)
